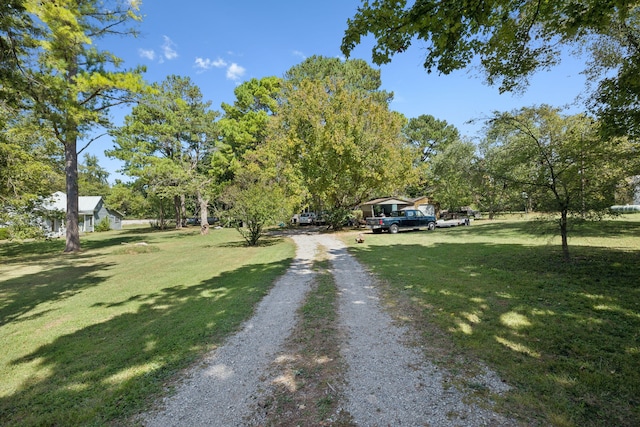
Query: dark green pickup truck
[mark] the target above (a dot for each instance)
(407, 219)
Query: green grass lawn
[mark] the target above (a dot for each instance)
(565, 336)
(89, 339)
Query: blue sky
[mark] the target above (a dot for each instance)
(220, 44)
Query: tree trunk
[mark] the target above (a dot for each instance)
(183, 210)
(563, 233)
(71, 175)
(177, 205)
(204, 214)
(162, 218)
(71, 168)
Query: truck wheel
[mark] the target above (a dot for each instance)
(431, 226)
(393, 229)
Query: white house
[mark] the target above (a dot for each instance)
(91, 210)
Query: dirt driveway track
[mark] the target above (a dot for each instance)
(387, 382)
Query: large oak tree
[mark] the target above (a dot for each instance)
(344, 145)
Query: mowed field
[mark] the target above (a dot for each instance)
(93, 338)
(87, 339)
(564, 336)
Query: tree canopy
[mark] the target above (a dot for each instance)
(92, 178)
(513, 40)
(355, 75)
(345, 145)
(166, 141)
(17, 38)
(244, 125)
(430, 135)
(450, 175)
(30, 164)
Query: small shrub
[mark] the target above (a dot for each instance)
(103, 225)
(21, 228)
(338, 217)
(4, 233)
(357, 217)
(162, 224)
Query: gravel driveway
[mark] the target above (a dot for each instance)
(387, 383)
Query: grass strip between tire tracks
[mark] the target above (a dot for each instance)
(306, 390)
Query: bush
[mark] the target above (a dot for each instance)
(338, 217)
(254, 206)
(4, 233)
(103, 225)
(22, 227)
(357, 217)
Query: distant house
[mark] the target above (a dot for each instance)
(634, 206)
(91, 210)
(387, 205)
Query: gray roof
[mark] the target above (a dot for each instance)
(86, 204)
(386, 201)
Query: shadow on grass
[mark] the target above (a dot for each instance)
(107, 371)
(22, 294)
(540, 227)
(19, 252)
(564, 334)
(263, 242)
(38, 250)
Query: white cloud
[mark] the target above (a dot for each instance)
(219, 63)
(168, 48)
(299, 54)
(147, 54)
(235, 72)
(207, 64)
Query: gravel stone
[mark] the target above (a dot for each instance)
(387, 382)
(222, 390)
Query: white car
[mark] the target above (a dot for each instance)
(306, 218)
(452, 222)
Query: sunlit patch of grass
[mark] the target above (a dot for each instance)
(91, 338)
(564, 335)
(516, 346)
(514, 320)
(131, 372)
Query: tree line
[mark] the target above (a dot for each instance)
(321, 136)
